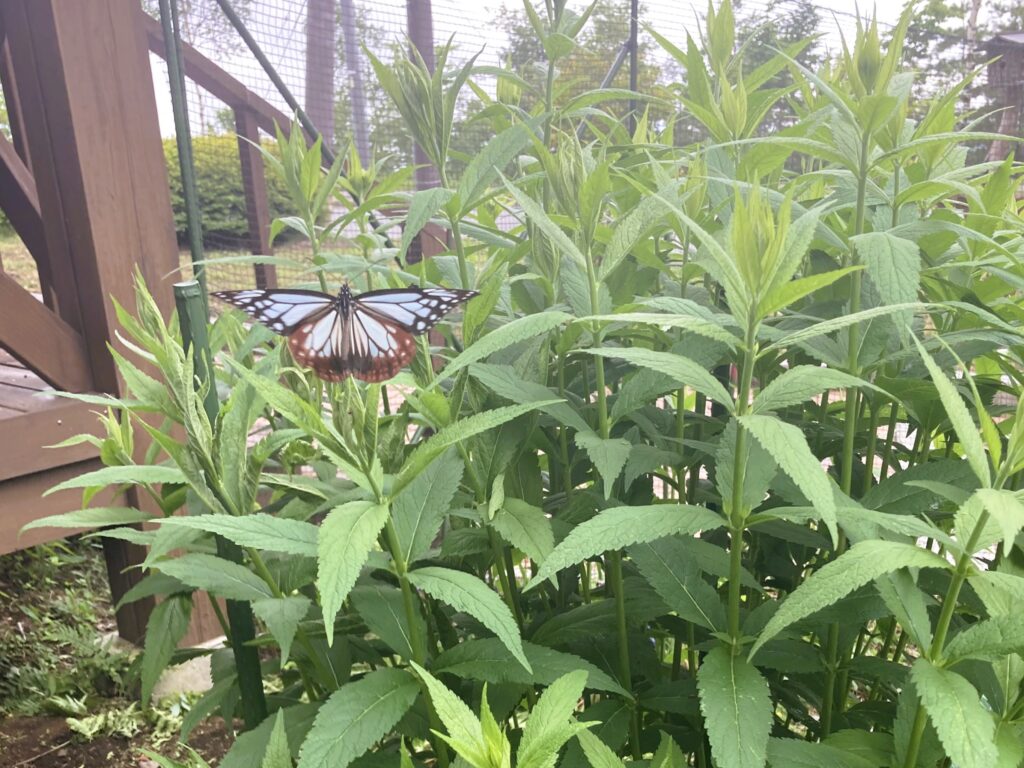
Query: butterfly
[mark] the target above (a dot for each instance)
(368, 336)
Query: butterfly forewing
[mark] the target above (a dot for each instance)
(417, 310)
(281, 311)
(369, 336)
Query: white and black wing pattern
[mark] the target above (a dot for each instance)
(282, 311)
(416, 310)
(369, 336)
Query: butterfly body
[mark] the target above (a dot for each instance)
(368, 336)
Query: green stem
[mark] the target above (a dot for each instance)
(963, 567)
(737, 513)
(625, 676)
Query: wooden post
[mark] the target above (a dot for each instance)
(91, 127)
(254, 185)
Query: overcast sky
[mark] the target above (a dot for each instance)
(279, 27)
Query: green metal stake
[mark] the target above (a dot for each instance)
(190, 299)
(183, 137)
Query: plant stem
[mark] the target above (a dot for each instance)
(963, 567)
(625, 677)
(737, 513)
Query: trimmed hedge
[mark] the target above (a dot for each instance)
(221, 199)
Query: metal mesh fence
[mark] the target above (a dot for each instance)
(319, 48)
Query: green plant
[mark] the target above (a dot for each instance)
(221, 196)
(727, 430)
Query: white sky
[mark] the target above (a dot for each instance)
(279, 26)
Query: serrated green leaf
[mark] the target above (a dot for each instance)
(468, 594)
(131, 474)
(526, 528)
(94, 517)
(862, 563)
(455, 433)
(464, 729)
(217, 576)
(682, 369)
(492, 158)
(505, 381)
(250, 746)
(488, 660)
(894, 265)
(347, 535)
(802, 382)
(989, 639)
(836, 324)
(667, 567)
(520, 329)
(598, 753)
(907, 604)
(698, 325)
(965, 728)
(535, 213)
(782, 296)
(609, 456)
(278, 754)
(621, 527)
(959, 417)
(423, 205)
(357, 716)
(737, 709)
(282, 616)
(383, 610)
(788, 446)
(551, 724)
(258, 530)
(794, 753)
(418, 511)
(167, 624)
(1005, 508)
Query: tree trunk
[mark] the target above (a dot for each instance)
(357, 94)
(320, 23)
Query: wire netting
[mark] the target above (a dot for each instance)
(320, 47)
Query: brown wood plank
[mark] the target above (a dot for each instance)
(24, 400)
(254, 185)
(24, 437)
(22, 501)
(41, 340)
(21, 377)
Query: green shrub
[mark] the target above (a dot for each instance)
(221, 198)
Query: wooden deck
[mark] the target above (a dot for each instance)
(30, 417)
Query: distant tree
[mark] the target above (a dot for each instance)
(585, 69)
(763, 32)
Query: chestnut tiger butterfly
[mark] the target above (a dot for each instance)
(368, 336)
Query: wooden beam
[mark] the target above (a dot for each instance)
(209, 75)
(11, 99)
(254, 185)
(20, 203)
(41, 340)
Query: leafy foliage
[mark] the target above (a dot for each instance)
(722, 466)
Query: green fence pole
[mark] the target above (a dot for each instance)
(183, 137)
(190, 299)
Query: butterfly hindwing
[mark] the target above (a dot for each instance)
(369, 336)
(282, 311)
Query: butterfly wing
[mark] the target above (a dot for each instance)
(282, 311)
(415, 310)
(358, 344)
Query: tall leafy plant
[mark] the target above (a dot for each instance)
(722, 467)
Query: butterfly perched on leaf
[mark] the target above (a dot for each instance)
(368, 336)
